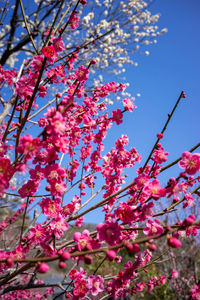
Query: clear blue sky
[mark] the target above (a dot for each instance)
(172, 66)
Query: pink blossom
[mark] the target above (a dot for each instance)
(95, 284)
(174, 242)
(29, 146)
(80, 289)
(38, 234)
(82, 240)
(73, 21)
(174, 274)
(42, 268)
(28, 189)
(109, 232)
(37, 174)
(154, 189)
(58, 226)
(36, 62)
(50, 53)
(50, 207)
(82, 74)
(117, 116)
(153, 227)
(159, 156)
(195, 292)
(190, 162)
(54, 173)
(58, 44)
(128, 104)
(125, 213)
(57, 189)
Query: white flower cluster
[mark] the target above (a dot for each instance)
(123, 27)
(113, 30)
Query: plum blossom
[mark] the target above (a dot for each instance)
(128, 104)
(50, 208)
(82, 74)
(190, 162)
(50, 53)
(29, 146)
(95, 284)
(58, 226)
(174, 274)
(117, 116)
(153, 227)
(109, 232)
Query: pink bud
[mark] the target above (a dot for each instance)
(93, 62)
(59, 95)
(62, 264)
(65, 255)
(128, 246)
(151, 247)
(174, 242)
(136, 248)
(160, 136)
(111, 254)
(42, 268)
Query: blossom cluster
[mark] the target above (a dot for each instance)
(65, 164)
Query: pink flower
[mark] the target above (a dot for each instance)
(80, 289)
(6, 169)
(54, 173)
(117, 116)
(109, 232)
(38, 234)
(153, 227)
(82, 74)
(174, 274)
(49, 52)
(160, 136)
(58, 44)
(50, 207)
(37, 174)
(154, 189)
(42, 268)
(29, 146)
(82, 240)
(190, 162)
(195, 292)
(174, 242)
(125, 213)
(159, 156)
(28, 189)
(95, 285)
(36, 62)
(73, 21)
(57, 189)
(128, 104)
(58, 226)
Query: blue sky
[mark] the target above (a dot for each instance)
(172, 66)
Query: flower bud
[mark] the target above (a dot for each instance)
(62, 264)
(65, 255)
(42, 268)
(110, 254)
(174, 242)
(136, 248)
